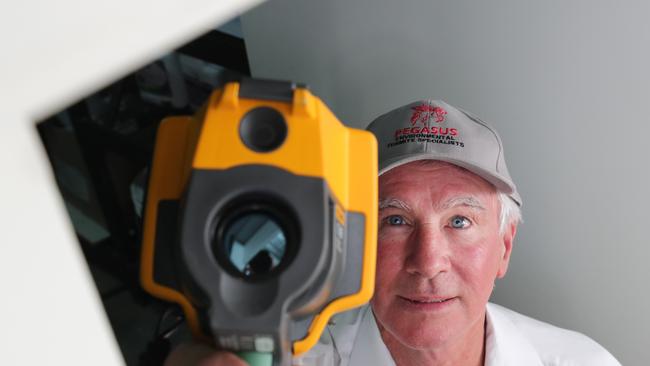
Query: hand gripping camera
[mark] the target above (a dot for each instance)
(261, 218)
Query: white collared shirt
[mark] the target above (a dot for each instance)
(511, 339)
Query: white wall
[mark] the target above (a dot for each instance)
(54, 53)
(567, 84)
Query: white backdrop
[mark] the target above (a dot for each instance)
(567, 84)
(54, 53)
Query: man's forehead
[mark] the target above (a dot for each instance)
(442, 185)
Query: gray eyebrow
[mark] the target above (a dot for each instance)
(468, 201)
(394, 203)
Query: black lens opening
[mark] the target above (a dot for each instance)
(255, 237)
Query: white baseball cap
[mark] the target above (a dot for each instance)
(433, 129)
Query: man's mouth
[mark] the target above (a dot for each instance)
(428, 301)
(424, 301)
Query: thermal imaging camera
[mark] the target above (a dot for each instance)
(260, 218)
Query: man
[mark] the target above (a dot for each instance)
(448, 215)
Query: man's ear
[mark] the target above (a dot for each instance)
(506, 241)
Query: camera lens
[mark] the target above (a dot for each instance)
(253, 242)
(263, 129)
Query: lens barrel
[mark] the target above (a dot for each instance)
(263, 129)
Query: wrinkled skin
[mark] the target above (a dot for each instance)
(439, 253)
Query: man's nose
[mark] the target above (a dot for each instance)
(429, 252)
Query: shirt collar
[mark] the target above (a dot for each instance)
(369, 348)
(505, 345)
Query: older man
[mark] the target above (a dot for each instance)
(448, 215)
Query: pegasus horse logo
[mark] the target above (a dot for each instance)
(425, 112)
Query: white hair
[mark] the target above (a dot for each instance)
(509, 212)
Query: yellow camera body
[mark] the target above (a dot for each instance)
(261, 218)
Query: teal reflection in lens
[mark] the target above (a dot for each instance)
(254, 243)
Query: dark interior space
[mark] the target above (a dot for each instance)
(100, 149)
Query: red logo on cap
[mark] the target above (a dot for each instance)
(424, 112)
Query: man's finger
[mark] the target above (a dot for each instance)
(222, 359)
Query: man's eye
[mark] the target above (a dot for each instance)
(395, 220)
(460, 222)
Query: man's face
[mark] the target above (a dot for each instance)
(439, 252)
